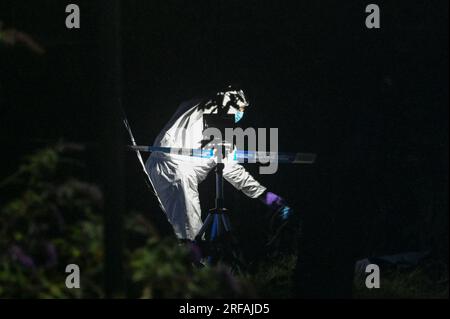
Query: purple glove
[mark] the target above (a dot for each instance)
(274, 201)
(277, 204)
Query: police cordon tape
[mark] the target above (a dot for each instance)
(239, 155)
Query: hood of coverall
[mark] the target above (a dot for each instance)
(234, 101)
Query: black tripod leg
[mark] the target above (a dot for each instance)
(232, 246)
(219, 225)
(205, 226)
(226, 222)
(215, 229)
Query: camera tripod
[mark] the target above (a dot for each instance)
(220, 243)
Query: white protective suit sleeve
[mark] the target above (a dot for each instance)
(238, 176)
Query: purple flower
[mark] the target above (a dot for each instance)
(19, 255)
(52, 255)
(195, 252)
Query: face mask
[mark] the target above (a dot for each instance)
(238, 116)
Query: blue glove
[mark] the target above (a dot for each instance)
(285, 213)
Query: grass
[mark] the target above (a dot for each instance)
(274, 280)
(418, 283)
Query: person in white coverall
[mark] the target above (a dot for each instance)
(175, 178)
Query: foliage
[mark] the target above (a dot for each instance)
(49, 221)
(274, 278)
(163, 269)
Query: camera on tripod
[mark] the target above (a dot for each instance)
(219, 122)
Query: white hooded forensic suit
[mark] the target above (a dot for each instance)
(176, 177)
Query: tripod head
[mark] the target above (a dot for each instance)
(219, 121)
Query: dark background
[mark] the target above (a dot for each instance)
(372, 103)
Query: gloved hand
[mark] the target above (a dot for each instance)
(283, 218)
(277, 204)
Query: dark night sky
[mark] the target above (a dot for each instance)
(365, 100)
